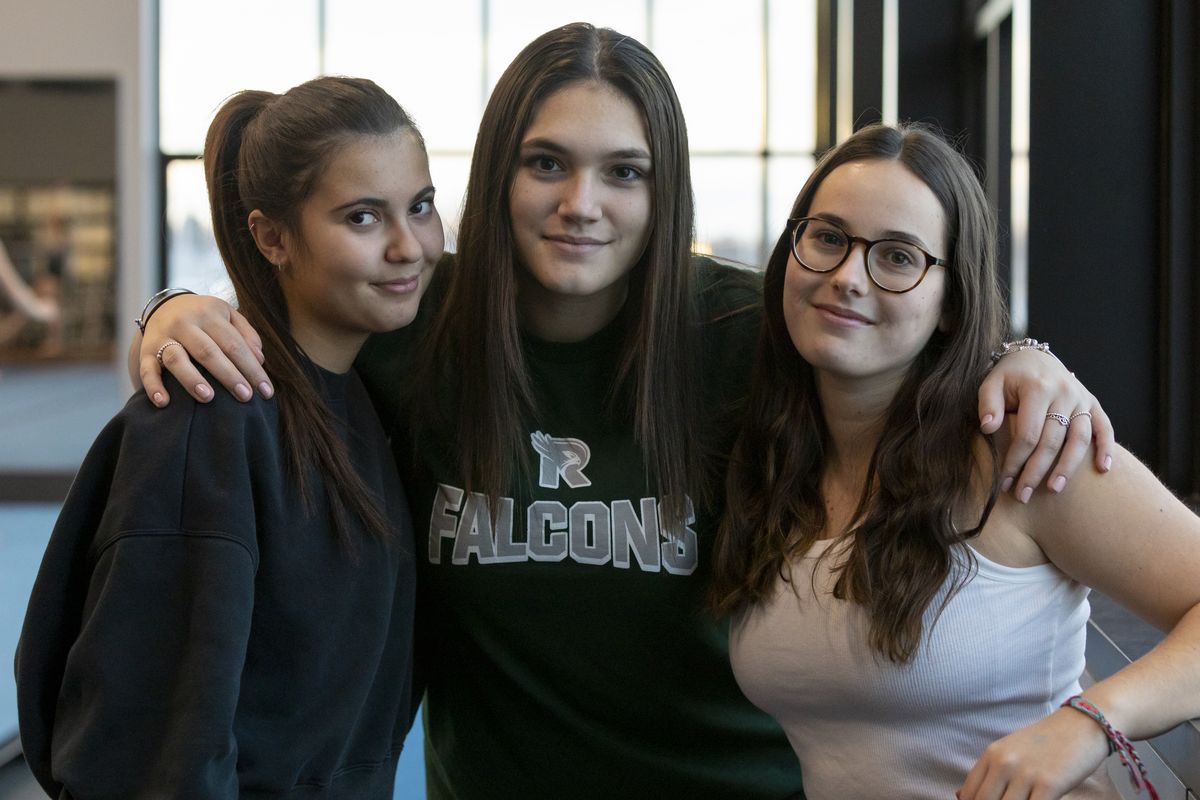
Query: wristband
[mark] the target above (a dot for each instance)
(154, 302)
(1117, 743)
(1008, 348)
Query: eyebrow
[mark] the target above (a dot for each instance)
(554, 147)
(902, 236)
(379, 202)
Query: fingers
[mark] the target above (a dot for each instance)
(1103, 436)
(1033, 445)
(991, 403)
(200, 344)
(151, 380)
(210, 334)
(242, 348)
(1057, 419)
(1075, 448)
(151, 360)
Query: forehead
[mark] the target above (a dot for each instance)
(375, 164)
(589, 114)
(880, 196)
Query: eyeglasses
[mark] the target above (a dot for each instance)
(893, 265)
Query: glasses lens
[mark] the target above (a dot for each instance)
(896, 265)
(820, 245)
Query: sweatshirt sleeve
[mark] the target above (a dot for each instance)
(131, 655)
(150, 686)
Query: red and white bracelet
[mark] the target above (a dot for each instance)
(1117, 743)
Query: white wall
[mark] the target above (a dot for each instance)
(103, 39)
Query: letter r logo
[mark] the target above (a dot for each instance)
(560, 458)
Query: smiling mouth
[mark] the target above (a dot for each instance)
(581, 241)
(399, 285)
(844, 314)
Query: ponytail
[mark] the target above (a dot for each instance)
(266, 151)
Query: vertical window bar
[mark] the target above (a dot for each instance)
(891, 62)
(845, 70)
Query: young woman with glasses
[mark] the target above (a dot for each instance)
(574, 395)
(916, 631)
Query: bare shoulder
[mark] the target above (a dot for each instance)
(1124, 533)
(1003, 539)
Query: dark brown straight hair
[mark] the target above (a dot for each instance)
(923, 467)
(477, 329)
(266, 151)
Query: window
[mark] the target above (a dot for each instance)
(745, 74)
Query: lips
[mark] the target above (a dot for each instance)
(840, 314)
(574, 240)
(399, 285)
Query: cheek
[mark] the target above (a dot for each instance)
(793, 302)
(433, 241)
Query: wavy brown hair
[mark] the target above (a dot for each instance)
(267, 151)
(477, 329)
(924, 465)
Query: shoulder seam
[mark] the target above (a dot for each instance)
(141, 532)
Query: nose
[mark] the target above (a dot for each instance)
(403, 246)
(580, 200)
(851, 276)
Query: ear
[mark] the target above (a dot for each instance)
(270, 237)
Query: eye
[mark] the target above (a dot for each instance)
(897, 255)
(826, 236)
(421, 207)
(625, 172)
(543, 163)
(362, 217)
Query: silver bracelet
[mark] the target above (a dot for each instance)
(153, 304)
(1008, 348)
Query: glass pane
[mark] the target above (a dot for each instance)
(192, 260)
(792, 65)
(203, 58)
(449, 175)
(512, 24)
(427, 55)
(714, 52)
(785, 177)
(728, 207)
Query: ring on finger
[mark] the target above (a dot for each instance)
(1061, 419)
(161, 350)
(1087, 414)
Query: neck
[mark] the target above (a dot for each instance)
(854, 412)
(329, 352)
(555, 317)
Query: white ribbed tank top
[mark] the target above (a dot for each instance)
(1007, 650)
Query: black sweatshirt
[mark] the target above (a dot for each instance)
(194, 633)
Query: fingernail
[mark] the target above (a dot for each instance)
(266, 390)
(1026, 493)
(1058, 483)
(242, 391)
(987, 420)
(1006, 484)
(203, 390)
(1107, 463)
(157, 399)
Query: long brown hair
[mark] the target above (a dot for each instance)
(266, 151)
(923, 466)
(477, 329)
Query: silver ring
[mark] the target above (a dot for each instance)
(166, 344)
(1061, 419)
(1087, 414)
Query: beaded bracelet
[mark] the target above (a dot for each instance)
(1008, 348)
(1117, 743)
